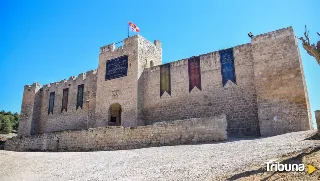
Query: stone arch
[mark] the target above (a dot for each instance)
(115, 115)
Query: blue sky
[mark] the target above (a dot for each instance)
(47, 41)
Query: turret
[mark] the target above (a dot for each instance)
(119, 71)
(27, 117)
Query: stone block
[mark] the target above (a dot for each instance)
(317, 115)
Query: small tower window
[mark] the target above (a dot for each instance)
(151, 63)
(65, 99)
(51, 103)
(80, 96)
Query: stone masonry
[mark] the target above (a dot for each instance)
(270, 96)
(317, 114)
(117, 137)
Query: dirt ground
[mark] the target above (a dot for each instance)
(308, 157)
(234, 159)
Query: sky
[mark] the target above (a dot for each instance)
(48, 41)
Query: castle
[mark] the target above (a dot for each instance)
(259, 86)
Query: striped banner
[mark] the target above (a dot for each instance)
(194, 73)
(165, 80)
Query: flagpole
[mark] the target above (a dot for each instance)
(128, 29)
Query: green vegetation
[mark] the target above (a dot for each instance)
(8, 122)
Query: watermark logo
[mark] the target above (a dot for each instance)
(287, 167)
(311, 169)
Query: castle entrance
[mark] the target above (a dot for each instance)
(115, 115)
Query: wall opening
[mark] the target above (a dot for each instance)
(115, 115)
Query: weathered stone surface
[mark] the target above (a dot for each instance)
(28, 112)
(72, 119)
(237, 101)
(112, 138)
(317, 114)
(270, 96)
(282, 99)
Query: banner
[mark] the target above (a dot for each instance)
(227, 66)
(117, 67)
(194, 73)
(165, 80)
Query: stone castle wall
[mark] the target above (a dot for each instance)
(269, 98)
(113, 138)
(29, 100)
(124, 90)
(237, 101)
(317, 115)
(282, 98)
(150, 55)
(35, 118)
(117, 90)
(72, 119)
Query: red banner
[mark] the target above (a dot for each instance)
(194, 73)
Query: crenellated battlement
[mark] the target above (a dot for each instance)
(203, 57)
(113, 48)
(272, 35)
(116, 47)
(92, 74)
(243, 47)
(107, 48)
(157, 43)
(72, 78)
(122, 45)
(33, 86)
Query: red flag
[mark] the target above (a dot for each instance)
(133, 27)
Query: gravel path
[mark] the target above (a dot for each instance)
(183, 162)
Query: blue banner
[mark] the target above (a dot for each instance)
(117, 67)
(227, 66)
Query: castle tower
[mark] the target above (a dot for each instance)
(282, 95)
(118, 86)
(28, 116)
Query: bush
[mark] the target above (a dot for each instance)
(6, 127)
(13, 118)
